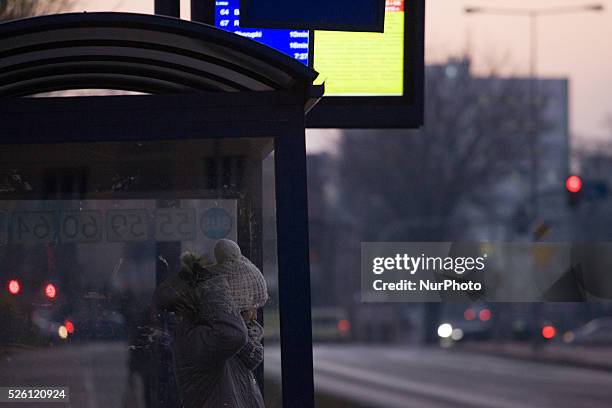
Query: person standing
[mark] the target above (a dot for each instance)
(217, 341)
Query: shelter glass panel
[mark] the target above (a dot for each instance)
(88, 231)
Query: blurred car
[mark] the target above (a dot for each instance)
(597, 332)
(473, 322)
(330, 324)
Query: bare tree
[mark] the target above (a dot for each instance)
(15, 9)
(408, 184)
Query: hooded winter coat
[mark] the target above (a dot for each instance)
(214, 351)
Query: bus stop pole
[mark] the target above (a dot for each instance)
(293, 266)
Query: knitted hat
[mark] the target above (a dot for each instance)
(247, 284)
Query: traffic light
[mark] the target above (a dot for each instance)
(549, 332)
(573, 185)
(14, 287)
(50, 291)
(589, 190)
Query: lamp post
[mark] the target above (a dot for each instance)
(534, 14)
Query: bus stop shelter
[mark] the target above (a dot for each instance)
(208, 143)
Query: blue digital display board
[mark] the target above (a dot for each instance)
(294, 43)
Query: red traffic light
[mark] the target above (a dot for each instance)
(573, 184)
(14, 287)
(50, 291)
(548, 332)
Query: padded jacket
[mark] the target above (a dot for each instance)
(215, 353)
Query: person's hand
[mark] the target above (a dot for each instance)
(248, 315)
(255, 330)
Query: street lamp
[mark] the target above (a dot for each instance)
(534, 14)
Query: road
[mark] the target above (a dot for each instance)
(392, 376)
(373, 376)
(96, 373)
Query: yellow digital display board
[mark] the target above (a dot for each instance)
(363, 64)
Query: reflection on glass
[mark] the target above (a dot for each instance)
(89, 230)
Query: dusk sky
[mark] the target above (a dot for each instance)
(576, 46)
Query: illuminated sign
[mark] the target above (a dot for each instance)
(291, 42)
(372, 80)
(363, 64)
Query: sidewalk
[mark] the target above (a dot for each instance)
(599, 358)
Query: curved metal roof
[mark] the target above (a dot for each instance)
(136, 52)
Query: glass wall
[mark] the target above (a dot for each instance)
(87, 233)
